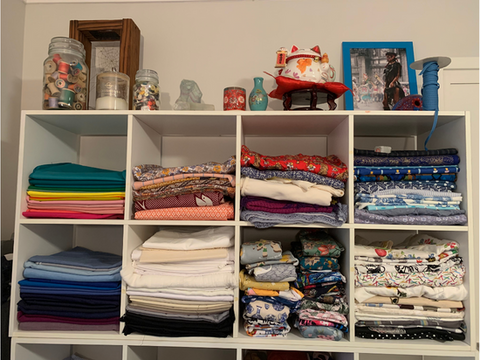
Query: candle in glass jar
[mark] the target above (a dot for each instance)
(111, 103)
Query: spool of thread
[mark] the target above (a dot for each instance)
(63, 67)
(53, 89)
(81, 83)
(78, 106)
(76, 65)
(53, 103)
(66, 99)
(60, 84)
(45, 105)
(49, 66)
(80, 97)
(77, 88)
(56, 58)
(71, 87)
(63, 76)
(75, 72)
(53, 76)
(82, 76)
(45, 96)
(47, 78)
(72, 79)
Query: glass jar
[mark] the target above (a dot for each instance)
(65, 76)
(146, 92)
(113, 89)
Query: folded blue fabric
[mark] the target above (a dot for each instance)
(68, 270)
(68, 171)
(53, 275)
(81, 257)
(71, 284)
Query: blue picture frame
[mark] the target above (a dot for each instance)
(355, 51)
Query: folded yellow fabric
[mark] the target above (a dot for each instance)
(247, 281)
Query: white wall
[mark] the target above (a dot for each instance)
(227, 43)
(13, 20)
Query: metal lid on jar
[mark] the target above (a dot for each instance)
(113, 76)
(146, 75)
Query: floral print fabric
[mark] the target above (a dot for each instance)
(365, 217)
(319, 243)
(260, 250)
(320, 332)
(330, 166)
(149, 172)
(262, 310)
(287, 258)
(437, 160)
(434, 185)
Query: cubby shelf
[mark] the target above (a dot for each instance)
(119, 140)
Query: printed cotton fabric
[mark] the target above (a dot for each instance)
(149, 172)
(222, 212)
(433, 185)
(406, 153)
(265, 311)
(260, 250)
(329, 166)
(257, 203)
(319, 243)
(366, 217)
(141, 185)
(197, 199)
(437, 160)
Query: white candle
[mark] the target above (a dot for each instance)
(111, 103)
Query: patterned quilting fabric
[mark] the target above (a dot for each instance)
(321, 332)
(365, 217)
(257, 203)
(407, 177)
(221, 212)
(265, 311)
(408, 153)
(437, 160)
(141, 185)
(405, 170)
(330, 166)
(149, 172)
(253, 173)
(198, 199)
(433, 185)
(319, 243)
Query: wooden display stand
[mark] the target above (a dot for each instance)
(124, 30)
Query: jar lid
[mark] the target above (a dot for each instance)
(234, 88)
(113, 74)
(66, 43)
(145, 74)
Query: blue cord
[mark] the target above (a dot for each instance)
(430, 92)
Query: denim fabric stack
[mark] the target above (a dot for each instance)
(268, 299)
(73, 290)
(408, 187)
(324, 308)
(292, 189)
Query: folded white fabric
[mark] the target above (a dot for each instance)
(192, 238)
(279, 190)
(181, 297)
(456, 293)
(187, 292)
(223, 279)
(179, 271)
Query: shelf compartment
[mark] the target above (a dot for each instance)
(319, 348)
(39, 351)
(179, 352)
(47, 239)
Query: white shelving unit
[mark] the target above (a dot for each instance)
(119, 140)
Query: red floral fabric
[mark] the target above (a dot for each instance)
(330, 166)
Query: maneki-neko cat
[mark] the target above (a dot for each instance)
(305, 65)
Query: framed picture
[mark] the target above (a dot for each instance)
(378, 73)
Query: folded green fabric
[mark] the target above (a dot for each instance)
(62, 172)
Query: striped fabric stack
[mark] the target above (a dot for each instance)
(410, 291)
(197, 192)
(292, 189)
(323, 311)
(74, 191)
(407, 187)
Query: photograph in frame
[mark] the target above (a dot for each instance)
(378, 73)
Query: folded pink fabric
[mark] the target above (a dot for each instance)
(78, 202)
(32, 213)
(82, 209)
(198, 199)
(139, 184)
(221, 212)
(22, 317)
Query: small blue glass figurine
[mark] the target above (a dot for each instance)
(258, 98)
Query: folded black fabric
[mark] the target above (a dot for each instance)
(176, 328)
(60, 304)
(77, 299)
(450, 151)
(68, 311)
(409, 334)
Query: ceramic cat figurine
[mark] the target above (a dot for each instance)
(308, 65)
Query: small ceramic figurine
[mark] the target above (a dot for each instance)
(308, 65)
(191, 97)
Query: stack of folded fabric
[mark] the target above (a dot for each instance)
(73, 290)
(197, 192)
(182, 284)
(411, 291)
(324, 308)
(292, 189)
(407, 187)
(73, 191)
(269, 299)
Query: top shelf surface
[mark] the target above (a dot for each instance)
(264, 123)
